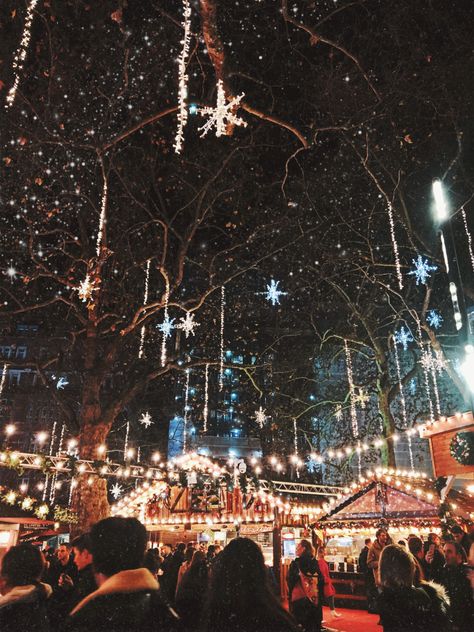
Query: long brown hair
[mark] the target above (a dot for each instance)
(397, 567)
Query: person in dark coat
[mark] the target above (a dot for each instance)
(23, 598)
(62, 576)
(434, 559)
(455, 579)
(304, 571)
(462, 538)
(173, 571)
(128, 597)
(166, 566)
(191, 591)
(239, 598)
(363, 568)
(86, 583)
(402, 605)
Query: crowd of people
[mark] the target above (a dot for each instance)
(106, 580)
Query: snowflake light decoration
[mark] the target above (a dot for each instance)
(422, 270)
(223, 114)
(338, 412)
(260, 416)
(116, 490)
(361, 398)
(187, 324)
(167, 326)
(272, 293)
(145, 420)
(61, 383)
(433, 362)
(434, 319)
(85, 289)
(311, 464)
(403, 337)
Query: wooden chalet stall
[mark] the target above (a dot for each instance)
(404, 502)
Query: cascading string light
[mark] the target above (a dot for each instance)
(221, 368)
(403, 402)
(469, 237)
(125, 444)
(145, 301)
(103, 208)
(183, 77)
(186, 405)
(425, 369)
(205, 412)
(20, 55)
(350, 379)
(4, 377)
(395, 246)
(166, 319)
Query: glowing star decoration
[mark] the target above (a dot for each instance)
(145, 420)
(116, 490)
(20, 55)
(272, 293)
(434, 319)
(85, 290)
(187, 324)
(167, 326)
(11, 273)
(260, 416)
(223, 114)
(403, 337)
(422, 270)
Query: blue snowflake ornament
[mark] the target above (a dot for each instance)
(434, 319)
(403, 337)
(167, 326)
(272, 292)
(422, 270)
(311, 464)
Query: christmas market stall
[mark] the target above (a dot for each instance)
(403, 502)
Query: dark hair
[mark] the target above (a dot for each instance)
(457, 529)
(367, 541)
(308, 547)
(198, 557)
(82, 542)
(211, 549)
(415, 544)
(66, 544)
(401, 543)
(22, 565)
(396, 567)
(118, 544)
(380, 531)
(152, 562)
(188, 554)
(181, 547)
(239, 592)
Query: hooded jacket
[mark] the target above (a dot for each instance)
(24, 608)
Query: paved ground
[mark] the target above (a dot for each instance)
(351, 621)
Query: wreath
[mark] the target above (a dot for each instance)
(462, 448)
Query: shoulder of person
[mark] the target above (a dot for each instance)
(435, 591)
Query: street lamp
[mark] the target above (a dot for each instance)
(441, 207)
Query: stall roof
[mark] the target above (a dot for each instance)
(393, 497)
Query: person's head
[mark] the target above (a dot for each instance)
(305, 548)
(321, 552)
(217, 549)
(180, 547)
(188, 554)
(454, 554)
(211, 551)
(22, 565)
(166, 550)
(82, 551)
(152, 562)
(382, 536)
(401, 543)
(198, 558)
(457, 534)
(64, 552)
(367, 541)
(433, 538)
(415, 546)
(396, 567)
(239, 589)
(117, 544)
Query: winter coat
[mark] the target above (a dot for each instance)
(373, 558)
(329, 590)
(306, 613)
(456, 581)
(24, 609)
(414, 609)
(363, 560)
(307, 565)
(190, 594)
(128, 601)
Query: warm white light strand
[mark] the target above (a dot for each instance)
(221, 368)
(163, 341)
(186, 403)
(145, 301)
(425, 370)
(350, 379)
(395, 246)
(20, 55)
(4, 377)
(103, 207)
(205, 412)
(125, 445)
(183, 77)
(469, 237)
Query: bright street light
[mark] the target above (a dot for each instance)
(467, 367)
(441, 207)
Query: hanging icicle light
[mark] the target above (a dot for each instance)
(221, 368)
(183, 77)
(205, 412)
(395, 246)
(4, 377)
(166, 331)
(403, 402)
(186, 407)
(469, 238)
(145, 301)
(103, 208)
